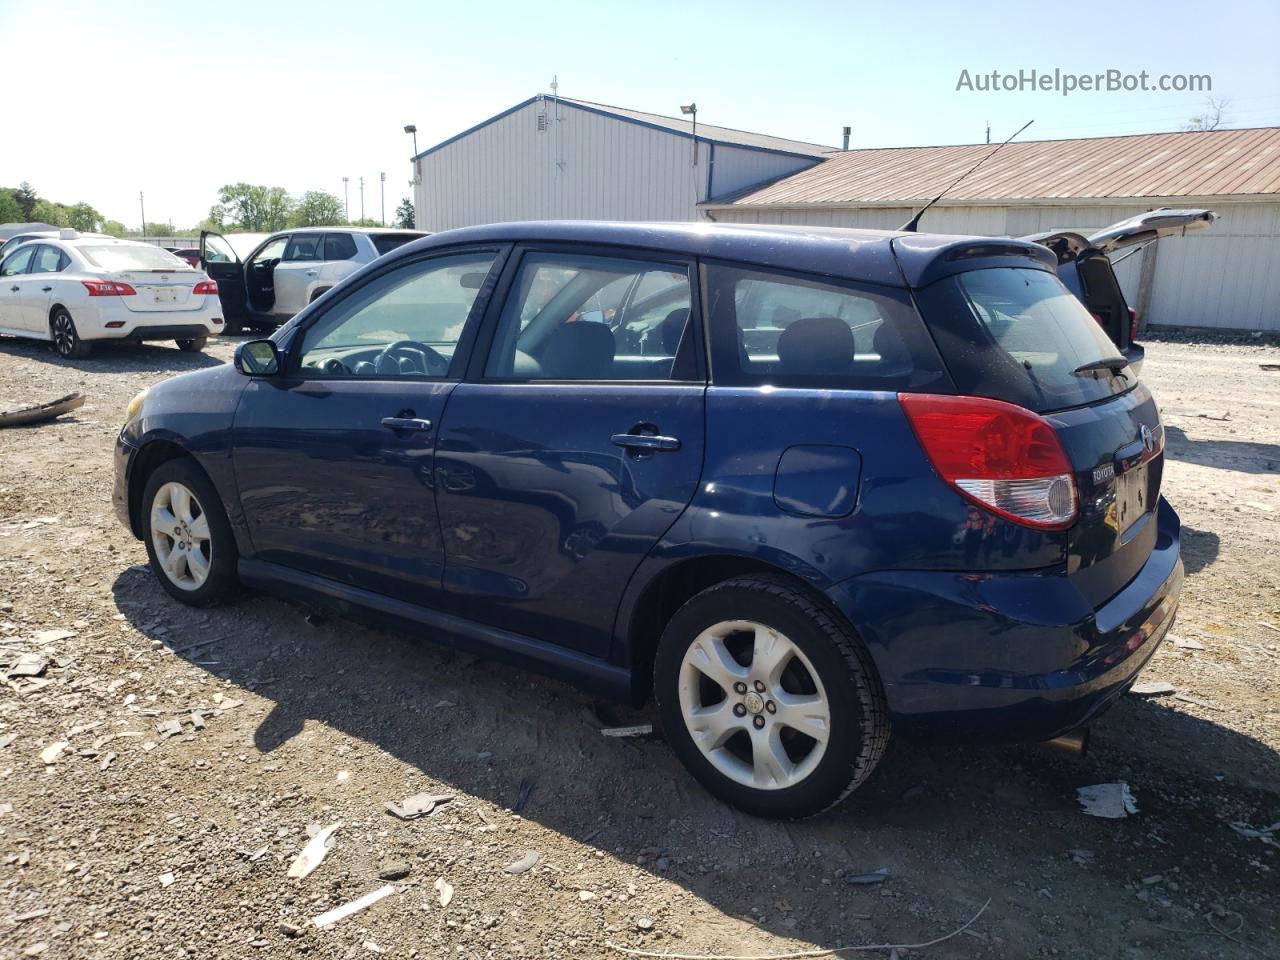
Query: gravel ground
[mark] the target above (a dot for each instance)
(134, 844)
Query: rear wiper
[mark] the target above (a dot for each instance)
(1115, 364)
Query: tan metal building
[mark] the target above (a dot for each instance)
(1227, 276)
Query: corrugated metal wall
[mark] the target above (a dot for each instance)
(581, 166)
(1227, 276)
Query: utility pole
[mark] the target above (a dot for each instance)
(362, 198)
(142, 208)
(382, 187)
(988, 131)
(346, 205)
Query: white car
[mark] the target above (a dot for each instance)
(76, 290)
(283, 272)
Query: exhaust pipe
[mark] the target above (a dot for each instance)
(1075, 743)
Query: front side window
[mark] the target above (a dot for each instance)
(272, 251)
(16, 262)
(784, 330)
(305, 246)
(403, 323)
(593, 318)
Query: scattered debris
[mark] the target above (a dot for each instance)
(585, 895)
(259, 854)
(106, 761)
(41, 412)
(166, 879)
(1197, 701)
(524, 863)
(394, 871)
(1155, 688)
(28, 665)
(522, 795)
(866, 879)
(1214, 415)
(1111, 800)
(330, 917)
(373, 947)
(7, 739)
(313, 853)
(1273, 367)
(51, 753)
(644, 923)
(52, 636)
(290, 930)
(35, 949)
(640, 730)
(32, 915)
(445, 889)
(1081, 856)
(419, 805)
(1186, 643)
(1258, 833)
(169, 728)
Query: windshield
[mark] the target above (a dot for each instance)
(131, 256)
(1018, 335)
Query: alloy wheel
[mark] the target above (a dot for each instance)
(754, 705)
(181, 537)
(64, 334)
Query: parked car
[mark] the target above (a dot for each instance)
(76, 290)
(1085, 267)
(803, 486)
(288, 270)
(7, 246)
(189, 254)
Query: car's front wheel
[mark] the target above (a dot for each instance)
(768, 698)
(189, 541)
(194, 345)
(66, 339)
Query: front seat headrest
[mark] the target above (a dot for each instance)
(673, 329)
(816, 345)
(582, 350)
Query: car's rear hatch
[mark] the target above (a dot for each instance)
(162, 282)
(1016, 334)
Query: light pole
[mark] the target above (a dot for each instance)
(362, 198)
(382, 189)
(142, 208)
(691, 109)
(346, 205)
(411, 129)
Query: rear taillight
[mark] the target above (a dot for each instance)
(108, 288)
(206, 288)
(1005, 458)
(1102, 323)
(1133, 325)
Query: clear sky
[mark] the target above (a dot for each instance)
(175, 99)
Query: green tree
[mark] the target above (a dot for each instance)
(315, 208)
(10, 212)
(366, 222)
(404, 214)
(26, 197)
(252, 207)
(83, 217)
(114, 227)
(45, 211)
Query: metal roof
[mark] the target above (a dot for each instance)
(1190, 164)
(707, 133)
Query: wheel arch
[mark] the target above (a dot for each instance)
(675, 585)
(147, 461)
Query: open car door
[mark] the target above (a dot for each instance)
(221, 262)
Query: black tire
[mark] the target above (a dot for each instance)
(192, 346)
(221, 581)
(859, 726)
(66, 338)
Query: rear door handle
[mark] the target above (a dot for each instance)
(644, 441)
(15, 289)
(311, 273)
(46, 289)
(406, 423)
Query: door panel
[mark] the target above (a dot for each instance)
(13, 281)
(223, 265)
(544, 518)
(37, 292)
(297, 271)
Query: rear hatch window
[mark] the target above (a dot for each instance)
(127, 257)
(1018, 335)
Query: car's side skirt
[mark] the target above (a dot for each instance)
(591, 673)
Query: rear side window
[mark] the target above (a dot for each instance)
(49, 260)
(386, 242)
(339, 246)
(304, 247)
(1019, 335)
(785, 330)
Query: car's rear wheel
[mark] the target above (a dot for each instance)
(768, 698)
(66, 339)
(189, 541)
(194, 345)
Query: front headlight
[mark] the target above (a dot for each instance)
(135, 406)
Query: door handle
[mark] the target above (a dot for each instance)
(15, 289)
(406, 423)
(644, 441)
(311, 273)
(46, 289)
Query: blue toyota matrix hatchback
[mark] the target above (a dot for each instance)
(801, 486)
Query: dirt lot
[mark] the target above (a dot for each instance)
(129, 844)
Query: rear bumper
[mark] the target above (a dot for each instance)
(92, 322)
(1010, 657)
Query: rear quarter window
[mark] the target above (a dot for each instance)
(386, 242)
(1018, 335)
(793, 330)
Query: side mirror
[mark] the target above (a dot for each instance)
(257, 358)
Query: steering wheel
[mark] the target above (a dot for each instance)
(421, 358)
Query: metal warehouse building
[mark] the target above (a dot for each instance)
(569, 159)
(555, 158)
